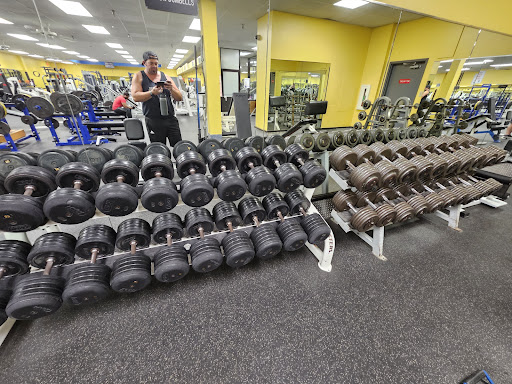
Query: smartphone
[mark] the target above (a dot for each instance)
(160, 83)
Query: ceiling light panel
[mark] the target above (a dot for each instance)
(71, 52)
(115, 45)
(254, 48)
(245, 53)
(123, 52)
(51, 46)
(196, 25)
(83, 57)
(182, 51)
(71, 7)
(501, 65)
(350, 4)
(19, 52)
(37, 56)
(93, 60)
(22, 37)
(67, 62)
(96, 29)
(3, 21)
(446, 61)
(191, 39)
(475, 63)
(178, 56)
(127, 56)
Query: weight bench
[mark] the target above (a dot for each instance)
(312, 108)
(134, 131)
(501, 172)
(104, 127)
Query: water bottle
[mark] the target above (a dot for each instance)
(164, 108)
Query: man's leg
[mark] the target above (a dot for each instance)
(156, 130)
(173, 131)
(509, 129)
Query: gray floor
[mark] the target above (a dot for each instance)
(439, 309)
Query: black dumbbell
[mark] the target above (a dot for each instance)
(73, 203)
(228, 181)
(159, 193)
(88, 283)
(12, 160)
(259, 178)
(130, 153)
(314, 225)
(252, 211)
(312, 172)
(157, 148)
(233, 145)
(238, 247)
(118, 197)
(290, 232)
(182, 146)
(39, 295)
(22, 209)
(171, 262)
(54, 159)
(133, 272)
(95, 156)
(196, 190)
(287, 175)
(207, 146)
(13, 262)
(205, 252)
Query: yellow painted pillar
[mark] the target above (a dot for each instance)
(211, 65)
(450, 80)
(263, 70)
(278, 84)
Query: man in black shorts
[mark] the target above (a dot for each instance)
(145, 90)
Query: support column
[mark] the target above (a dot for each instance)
(263, 70)
(450, 80)
(211, 65)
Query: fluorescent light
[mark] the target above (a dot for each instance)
(84, 57)
(123, 52)
(3, 21)
(446, 61)
(18, 52)
(52, 59)
(191, 39)
(245, 53)
(501, 65)
(182, 51)
(36, 56)
(475, 63)
(315, 75)
(254, 48)
(51, 46)
(71, 52)
(127, 56)
(196, 25)
(114, 45)
(178, 56)
(465, 69)
(244, 72)
(350, 4)
(96, 29)
(440, 66)
(67, 62)
(488, 61)
(93, 60)
(22, 37)
(71, 7)
(447, 70)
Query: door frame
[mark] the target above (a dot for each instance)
(388, 73)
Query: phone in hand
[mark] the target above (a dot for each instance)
(160, 83)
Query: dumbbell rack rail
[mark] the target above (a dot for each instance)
(376, 240)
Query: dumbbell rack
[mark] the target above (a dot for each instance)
(376, 240)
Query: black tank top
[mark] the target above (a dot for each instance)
(151, 108)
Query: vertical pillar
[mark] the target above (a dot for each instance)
(263, 70)
(450, 80)
(211, 65)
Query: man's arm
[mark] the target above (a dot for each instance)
(175, 92)
(137, 93)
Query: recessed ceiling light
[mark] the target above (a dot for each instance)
(123, 52)
(440, 66)
(52, 59)
(127, 56)
(93, 60)
(37, 56)
(96, 29)
(51, 46)
(114, 45)
(67, 62)
(182, 51)
(475, 63)
(465, 69)
(502, 65)
(351, 4)
(3, 21)
(245, 53)
(71, 52)
(178, 56)
(191, 39)
(254, 48)
(446, 61)
(22, 37)
(488, 61)
(447, 70)
(71, 7)
(19, 52)
(196, 25)
(244, 72)
(84, 57)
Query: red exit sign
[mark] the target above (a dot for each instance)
(404, 81)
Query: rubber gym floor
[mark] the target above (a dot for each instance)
(437, 310)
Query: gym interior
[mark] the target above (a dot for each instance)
(237, 191)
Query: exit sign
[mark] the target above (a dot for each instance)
(404, 81)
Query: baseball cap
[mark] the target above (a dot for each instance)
(149, 55)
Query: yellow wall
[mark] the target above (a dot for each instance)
(491, 76)
(494, 16)
(262, 69)
(287, 70)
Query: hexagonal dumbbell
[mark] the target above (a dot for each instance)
(196, 190)
(312, 172)
(159, 193)
(170, 262)
(259, 178)
(22, 209)
(73, 202)
(118, 197)
(89, 283)
(287, 175)
(228, 181)
(132, 273)
(205, 253)
(39, 295)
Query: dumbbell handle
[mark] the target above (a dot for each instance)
(229, 224)
(388, 201)
(441, 186)
(169, 239)
(49, 265)
(192, 171)
(416, 192)
(277, 163)
(400, 194)
(201, 232)
(301, 161)
(77, 184)
(256, 221)
(368, 201)
(352, 208)
(120, 179)
(280, 216)
(350, 165)
(94, 255)
(29, 190)
(303, 211)
(464, 182)
(158, 174)
(133, 247)
(428, 189)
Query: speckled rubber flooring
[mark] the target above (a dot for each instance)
(439, 309)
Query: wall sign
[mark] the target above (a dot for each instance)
(404, 81)
(185, 7)
(109, 65)
(478, 78)
(364, 93)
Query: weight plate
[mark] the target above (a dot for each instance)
(5, 129)
(69, 206)
(54, 96)
(19, 102)
(130, 153)
(28, 119)
(207, 146)
(40, 107)
(78, 93)
(20, 213)
(68, 104)
(87, 175)
(41, 179)
(93, 98)
(256, 142)
(157, 148)
(276, 140)
(233, 145)
(3, 110)
(54, 159)
(95, 156)
(182, 146)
